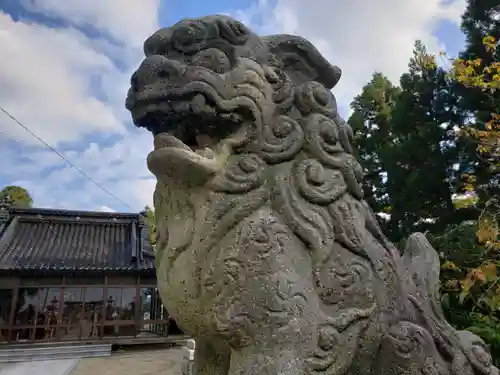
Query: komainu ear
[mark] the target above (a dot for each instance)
(302, 61)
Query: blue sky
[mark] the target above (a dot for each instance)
(65, 68)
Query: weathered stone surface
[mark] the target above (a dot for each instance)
(267, 253)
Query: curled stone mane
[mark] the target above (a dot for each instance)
(267, 253)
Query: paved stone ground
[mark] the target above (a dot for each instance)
(135, 362)
(56, 367)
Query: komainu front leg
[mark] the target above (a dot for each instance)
(212, 356)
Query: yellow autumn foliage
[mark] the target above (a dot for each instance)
(476, 74)
(488, 232)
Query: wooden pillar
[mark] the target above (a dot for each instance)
(103, 307)
(153, 310)
(82, 312)
(137, 307)
(159, 313)
(60, 311)
(12, 312)
(167, 317)
(35, 321)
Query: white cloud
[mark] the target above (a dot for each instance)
(118, 168)
(44, 79)
(68, 86)
(129, 21)
(357, 35)
(49, 78)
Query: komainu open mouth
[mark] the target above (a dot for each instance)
(186, 117)
(189, 132)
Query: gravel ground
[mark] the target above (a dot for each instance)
(165, 361)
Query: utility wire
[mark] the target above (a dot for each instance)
(63, 158)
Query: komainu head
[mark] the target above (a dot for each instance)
(210, 87)
(261, 222)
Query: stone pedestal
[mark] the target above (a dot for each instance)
(188, 357)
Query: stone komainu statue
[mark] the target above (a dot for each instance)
(267, 253)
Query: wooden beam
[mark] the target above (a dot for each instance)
(76, 220)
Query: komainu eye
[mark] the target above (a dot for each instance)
(213, 59)
(190, 37)
(234, 32)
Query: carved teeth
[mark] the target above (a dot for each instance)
(204, 140)
(160, 141)
(198, 104)
(163, 140)
(233, 117)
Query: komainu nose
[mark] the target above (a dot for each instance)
(154, 68)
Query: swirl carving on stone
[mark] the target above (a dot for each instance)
(337, 341)
(350, 224)
(244, 174)
(313, 97)
(408, 348)
(221, 219)
(413, 348)
(345, 134)
(213, 59)
(323, 140)
(431, 367)
(233, 31)
(344, 280)
(281, 140)
(232, 324)
(477, 353)
(285, 294)
(322, 136)
(317, 184)
(190, 37)
(311, 222)
(283, 89)
(408, 340)
(267, 237)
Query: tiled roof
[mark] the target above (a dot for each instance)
(61, 240)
